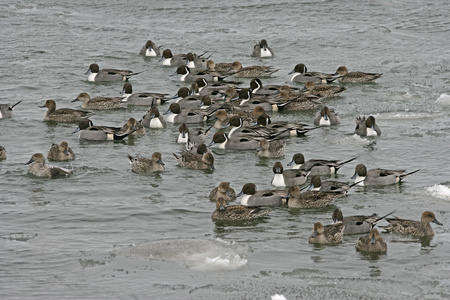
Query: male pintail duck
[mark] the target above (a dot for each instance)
(287, 177)
(262, 49)
(283, 128)
(327, 117)
(301, 75)
(355, 77)
(323, 91)
(178, 115)
(247, 100)
(105, 75)
(251, 197)
(191, 136)
(133, 126)
(272, 149)
(195, 161)
(99, 102)
(100, 133)
(416, 228)
(6, 111)
(235, 143)
(367, 127)
(144, 165)
(150, 49)
(317, 166)
(309, 199)
(152, 119)
(236, 212)
(258, 88)
(223, 191)
(61, 152)
(329, 234)
(251, 71)
(142, 99)
(188, 76)
(196, 62)
(378, 176)
(63, 114)
(357, 224)
(168, 59)
(38, 168)
(239, 129)
(2, 153)
(329, 186)
(372, 242)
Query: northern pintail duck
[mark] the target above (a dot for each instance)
(372, 243)
(188, 76)
(302, 75)
(283, 128)
(196, 161)
(357, 224)
(191, 136)
(38, 168)
(328, 234)
(168, 59)
(143, 99)
(63, 114)
(262, 49)
(272, 149)
(370, 177)
(290, 177)
(299, 101)
(247, 100)
(105, 75)
(367, 127)
(239, 129)
(234, 143)
(150, 49)
(223, 191)
(251, 197)
(61, 152)
(236, 212)
(133, 126)
(329, 186)
(323, 91)
(6, 111)
(327, 117)
(99, 133)
(251, 71)
(2, 153)
(309, 199)
(144, 165)
(416, 228)
(177, 115)
(152, 119)
(355, 77)
(99, 102)
(317, 166)
(196, 61)
(258, 88)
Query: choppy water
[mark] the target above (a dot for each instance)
(71, 237)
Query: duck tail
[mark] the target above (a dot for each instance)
(410, 173)
(381, 218)
(340, 164)
(175, 155)
(122, 136)
(12, 107)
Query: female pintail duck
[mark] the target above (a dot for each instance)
(299, 101)
(133, 126)
(309, 199)
(105, 75)
(327, 117)
(168, 59)
(195, 161)
(223, 191)
(141, 99)
(236, 212)
(357, 224)
(63, 114)
(150, 49)
(220, 67)
(99, 102)
(188, 76)
(328, 234)
(283, 128)
(6, 111)
(367, 127)
(272, 149)
(251, 71)
(416, 228)
(317, 166)
(370, 177)
(302, 75)
(288, 178)
(262, 49)
(329, 186)
(177, 115)
(2, 153)
(192, 136)
(355, 77)
(372, 242)
(152, 119)
(99, 133)
(222, 119)
(251, 197)
(323, 91)
(61, 152)
(144, 165)
(38, 168)
(235, 143)
(196, 62)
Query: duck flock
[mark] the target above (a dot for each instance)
(217, 110)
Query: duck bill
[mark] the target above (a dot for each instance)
(88, 72)
(354, 176)
(372, 241)
(229, 194)
(291, 163)
(212, 167)
(29, 162)
(76, 99)
(76, 130)
(161, 162)
(210, 144)
(437, 222)
(314, 234)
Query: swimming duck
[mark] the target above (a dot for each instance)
(188, 76)
(355, 77)
(61, 152)
(317, 166)
(141, 99)
(327, 117)
(262, 49)
(378, 176)
(357, 224)
(235, 143)
(38, 168)
(152, 119)
(309, 199)
(99, 102)
(223, 191)
(287, 177)
(144, 165)
(258, 88)
(99, 133)
(416, 228)
(149, 49)
(2, 153)
(367, 127)
(283, 128)
(302, 75)
(177, 115)
(6, 111)
(236, 212)
(251, 197)
(196, 62)
(63, 114)
(247, 100)
(191, 137)
(251, 71)
(195, 161)
(372, 242)
(168, 59)
(323, 91)
(105, 75)
(239, 129)
(329, 186)
(329, 234)
(272, 149)
(133, 126)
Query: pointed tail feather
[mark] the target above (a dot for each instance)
(410, 173)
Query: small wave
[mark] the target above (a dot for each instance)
(444, 100)
(439, 191)
(278, 297)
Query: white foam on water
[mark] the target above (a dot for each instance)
(444, 100)
(278, 297)
(439, 191)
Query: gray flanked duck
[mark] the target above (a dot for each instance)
(302, 75)
(327, 117)
(378, 176)
(100, 133)
(37, 167)
(152, 119)
(251, 197)
(367, 127)
(6, 111)
(61, 152)
(63, 114)
(236, 212)
(150, 49)
(105, 75)
(416, 228)
(317, 166)
(143, 165)
(328, 234)
(289, 177)
(262, 50)
(357, 224)
(141, 99)
(373, 243)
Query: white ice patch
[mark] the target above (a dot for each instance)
(439, 191)
(278, 297)
(444, 100)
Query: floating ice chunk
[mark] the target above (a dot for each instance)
(439, 191)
